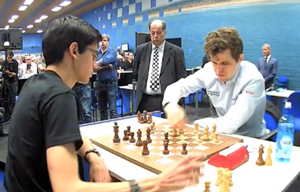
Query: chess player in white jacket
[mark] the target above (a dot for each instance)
(235, 88)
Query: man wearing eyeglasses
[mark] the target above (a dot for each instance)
(157, 64)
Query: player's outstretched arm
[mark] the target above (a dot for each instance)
(63, 171)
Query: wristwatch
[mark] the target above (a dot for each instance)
(134, 186)
(90, 151)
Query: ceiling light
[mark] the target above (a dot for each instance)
(44, 17)
(28, 2)
(15, 17)
(6, 27)
(22, 8)
(38, 21)
(65, 3)
(39, 31)
(23, 31)
(11, 21)
(54, 9)
(29, 26)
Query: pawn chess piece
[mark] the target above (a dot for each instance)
(148, 135)
(139, 116)
(207, 186)
(166, 150)
(125, 138)
(145, 148)
(149, 119)
(128, 131)
(152, 127)
(184, 151)
(139, 142)
(132, 139)
(196, 126)
(166, 137)
(205, 134)
(116, 130)
(199, 137)
(216, 140)
(174, 133)
(268, 161)
(260, 161)
(181, 131)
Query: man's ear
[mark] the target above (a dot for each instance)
(241, 58)
(73, 50)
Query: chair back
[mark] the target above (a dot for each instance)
(283, 79)
(271, 117)
(294, 98)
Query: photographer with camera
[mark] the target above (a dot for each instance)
(9, 80)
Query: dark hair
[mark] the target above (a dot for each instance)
(223, 39)
(62, 32)
(163, 24)
(10, 53)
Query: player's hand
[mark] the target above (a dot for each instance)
(99, 172)
(175, 114)
(182, 173)
(95, 66)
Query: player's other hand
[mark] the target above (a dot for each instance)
(99, 172)
(181, 174)
(175, 114)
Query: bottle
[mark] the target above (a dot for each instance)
(285, 135)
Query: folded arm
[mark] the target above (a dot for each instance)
(109, 58)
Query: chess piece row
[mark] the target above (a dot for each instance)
(224, 180)
(144, 118)
(205, 136)
(260, 161)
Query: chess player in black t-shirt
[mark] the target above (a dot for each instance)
(44, 131)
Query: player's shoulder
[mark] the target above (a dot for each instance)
(250, 71)
(142, 46)
(173, 46)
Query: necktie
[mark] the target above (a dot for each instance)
(266, 60)
(154, 82)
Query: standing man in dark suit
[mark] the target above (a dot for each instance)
(157, 64)
(267, 66)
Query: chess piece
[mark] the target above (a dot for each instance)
(174, 133)
(207, 186)
(139, 116)
(199, 136)
(260, 160)
(116, 130)
(196, 126)
(205, 134)
(166, 136)
(128, 131)
(125, 138)
(268, 161)
(230, 182)
(220, 171)
(216, 140)
(132, 139)
(184, 151)
(139, 142)
(148, 135)
(181, 131)
(145, 116)
(149, 120)
(145, 148)
(166, 151)
(225, 182)
(152, 127)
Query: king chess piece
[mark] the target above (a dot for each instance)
(116, 130)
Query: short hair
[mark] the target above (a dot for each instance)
(163, 24)
(62, 32)
(10, 53)
(223, 39)
(266, 45)
(105, 36)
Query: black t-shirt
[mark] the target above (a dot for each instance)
(12, 67)
(45, 115)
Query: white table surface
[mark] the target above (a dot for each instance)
(283, 93)
(126, 87)
(247, 177)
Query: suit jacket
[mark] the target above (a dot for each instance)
(268, 70)
(172, 69)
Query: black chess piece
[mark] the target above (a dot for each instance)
(139, 142)
(166, 136)
(184, 151)
(166, 150)
(148, 135)
(116, 130)
(125, 138)
(145, 148)
(132, 139)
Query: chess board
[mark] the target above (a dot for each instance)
(156, 162)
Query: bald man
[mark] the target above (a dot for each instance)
(157, 64)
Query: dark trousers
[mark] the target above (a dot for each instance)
(107, 93)
(2, 113)
(151, 103)
(83, 93)
(12, 93)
